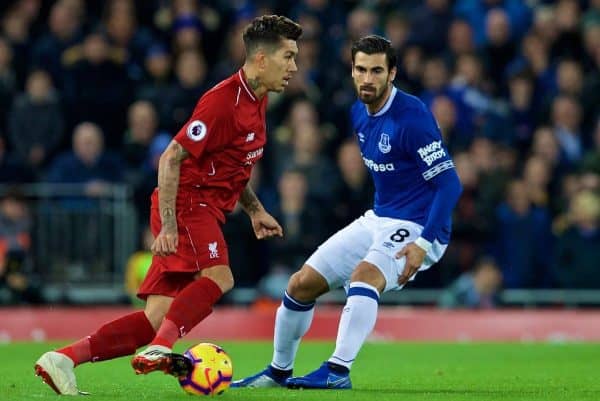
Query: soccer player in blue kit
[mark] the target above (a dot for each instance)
(408, 229)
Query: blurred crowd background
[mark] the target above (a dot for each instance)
(91, 92)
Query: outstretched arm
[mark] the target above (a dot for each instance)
(169, 166)
(263, 223)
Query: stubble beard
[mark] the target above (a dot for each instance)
(371, 98)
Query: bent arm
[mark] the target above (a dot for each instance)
(168, 181)
(448, 190)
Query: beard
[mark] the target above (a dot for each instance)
(372, 95)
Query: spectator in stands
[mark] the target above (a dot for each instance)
(307, 157)
(522, 111)
(566, 119)
(500, 49)
(124, 34)
(88, 163)
(64, 31)
(568, 42)
(12, 171)
(535, 57)
(249, 260)
(301, 219)
(158, 64)
(468, 84)
(355, 194)
(578, 250)
(17, 284)
(591, 161)
(460, 41)
(141, 129)
(536, 176)
(477, 289)
(475, 12)
(524, 243)
(179, 100)
(430, 22)
(143, 141)
(187, 33)
(8, 82)
(15, 26)
(97, 86)
(36, 126)
(233, 53)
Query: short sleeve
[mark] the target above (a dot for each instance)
(424, 143)
(210, 126)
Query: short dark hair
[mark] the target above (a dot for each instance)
(374, 44)
(270, 30)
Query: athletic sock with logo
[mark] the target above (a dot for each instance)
(292, 321)
(357, 322)
(119, 337)
(190, 307)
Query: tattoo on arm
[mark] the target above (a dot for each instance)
(250, 202)
(168, 182)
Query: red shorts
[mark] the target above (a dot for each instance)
(200, 245)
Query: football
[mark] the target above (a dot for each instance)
(212, 370)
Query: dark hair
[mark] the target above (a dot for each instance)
(270, 30)
(374, 44)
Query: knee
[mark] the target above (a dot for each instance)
(221, 276)
(370, 274)
(304, 288)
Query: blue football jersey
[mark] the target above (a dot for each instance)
(402, 147)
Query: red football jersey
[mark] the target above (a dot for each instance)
(225, 137)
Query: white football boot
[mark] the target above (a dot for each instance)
(56, 370)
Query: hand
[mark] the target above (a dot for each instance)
(414, 255)
(165, 242)
(265, 226)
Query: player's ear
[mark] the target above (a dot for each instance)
(392, 75)
(260, 59)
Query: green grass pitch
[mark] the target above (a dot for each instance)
(383, 371)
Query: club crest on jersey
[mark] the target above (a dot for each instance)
(213, 252)
(384, 143)
(196, 130)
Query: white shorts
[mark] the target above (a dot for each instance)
(375, 240)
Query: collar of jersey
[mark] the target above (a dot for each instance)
(386, 106)
(242, 78)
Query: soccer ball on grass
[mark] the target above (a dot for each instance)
(212, 370)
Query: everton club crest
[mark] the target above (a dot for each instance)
(384, 143)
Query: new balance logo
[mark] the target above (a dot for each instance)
(250, 137)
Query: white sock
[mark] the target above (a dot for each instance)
(292, 321)
(356, 323)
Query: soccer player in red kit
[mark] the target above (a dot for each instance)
(202, 174)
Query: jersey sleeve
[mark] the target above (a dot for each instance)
(423, 141)
(211, 125)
